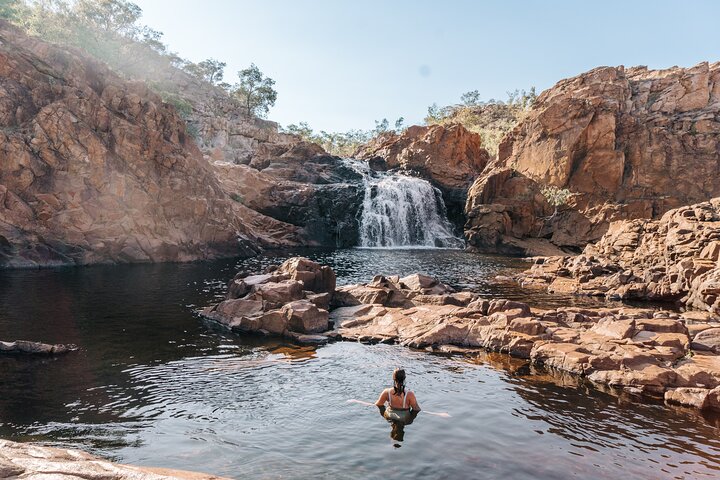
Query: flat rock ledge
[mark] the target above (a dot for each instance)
(27, 460)
(24, 347)
(645, 352)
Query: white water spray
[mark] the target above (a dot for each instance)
(402, 211)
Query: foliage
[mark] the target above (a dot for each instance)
(255, 91)
(343, 144)
(210, 70)
(111, 31)
(556, 196)
(491, 119)
(10, 9)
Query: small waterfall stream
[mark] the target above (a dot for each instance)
(402, 211)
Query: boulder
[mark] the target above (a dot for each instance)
(315, 277)
(29, 460)
(708, 339)
(304, 317)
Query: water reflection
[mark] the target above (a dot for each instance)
(155, 385)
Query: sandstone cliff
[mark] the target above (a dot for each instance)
(628, 143)
(98, 169)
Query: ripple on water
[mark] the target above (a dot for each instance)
(154, 385)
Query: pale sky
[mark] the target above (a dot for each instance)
(340, 65)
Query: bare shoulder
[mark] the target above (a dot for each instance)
(411, 395)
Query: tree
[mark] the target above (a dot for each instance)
(556, 196)
(399, 123)
(256, 91)
(10, 9)
(470, 99)
(115, 16)
(381, 126)
(210, 70)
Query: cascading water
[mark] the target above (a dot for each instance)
(402, 211)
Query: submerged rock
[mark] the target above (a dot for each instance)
(27, 460)
(34, 348)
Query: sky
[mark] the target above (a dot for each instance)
(341, 64)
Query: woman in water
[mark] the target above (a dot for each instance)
(402, 406)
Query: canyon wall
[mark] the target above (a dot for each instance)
(99, 169)
(628, 143)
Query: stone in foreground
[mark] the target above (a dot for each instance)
(26, 460)
(289, 300)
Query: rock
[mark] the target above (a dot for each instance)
(658, 260)
(687, 397)
(27, 460)
(622, 140)
(276, 294)
(707, 340)
(617, 329)
(315, 277)
(303, 316)
(289, 300)
(97, 169)
(34, 348)
(450, 157)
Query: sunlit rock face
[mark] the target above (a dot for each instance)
(629, 143)
(96, 169)
(450, 157)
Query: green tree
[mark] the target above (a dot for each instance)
(256, 91)
(471, 99)
(210, 70)
(556, 196)
(111, 16)
(10, 9)
(399, 123)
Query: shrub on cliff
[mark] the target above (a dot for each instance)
(343, 144)
(491, 119)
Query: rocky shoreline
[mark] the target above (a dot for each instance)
(673, 259)
(641, 351)
(27, 460)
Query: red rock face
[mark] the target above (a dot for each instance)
(97, 169)
(449, 156)
(629, 143)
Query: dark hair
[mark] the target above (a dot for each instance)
(399, 380)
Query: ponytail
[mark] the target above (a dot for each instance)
(399, 381)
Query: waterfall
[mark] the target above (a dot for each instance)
(402, 211)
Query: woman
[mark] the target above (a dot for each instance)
(402, 406)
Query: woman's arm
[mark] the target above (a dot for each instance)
(413, 402)
(383, 398)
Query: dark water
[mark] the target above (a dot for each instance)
(155, 385)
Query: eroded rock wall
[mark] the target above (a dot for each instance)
(99, 169)
(628, 143)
